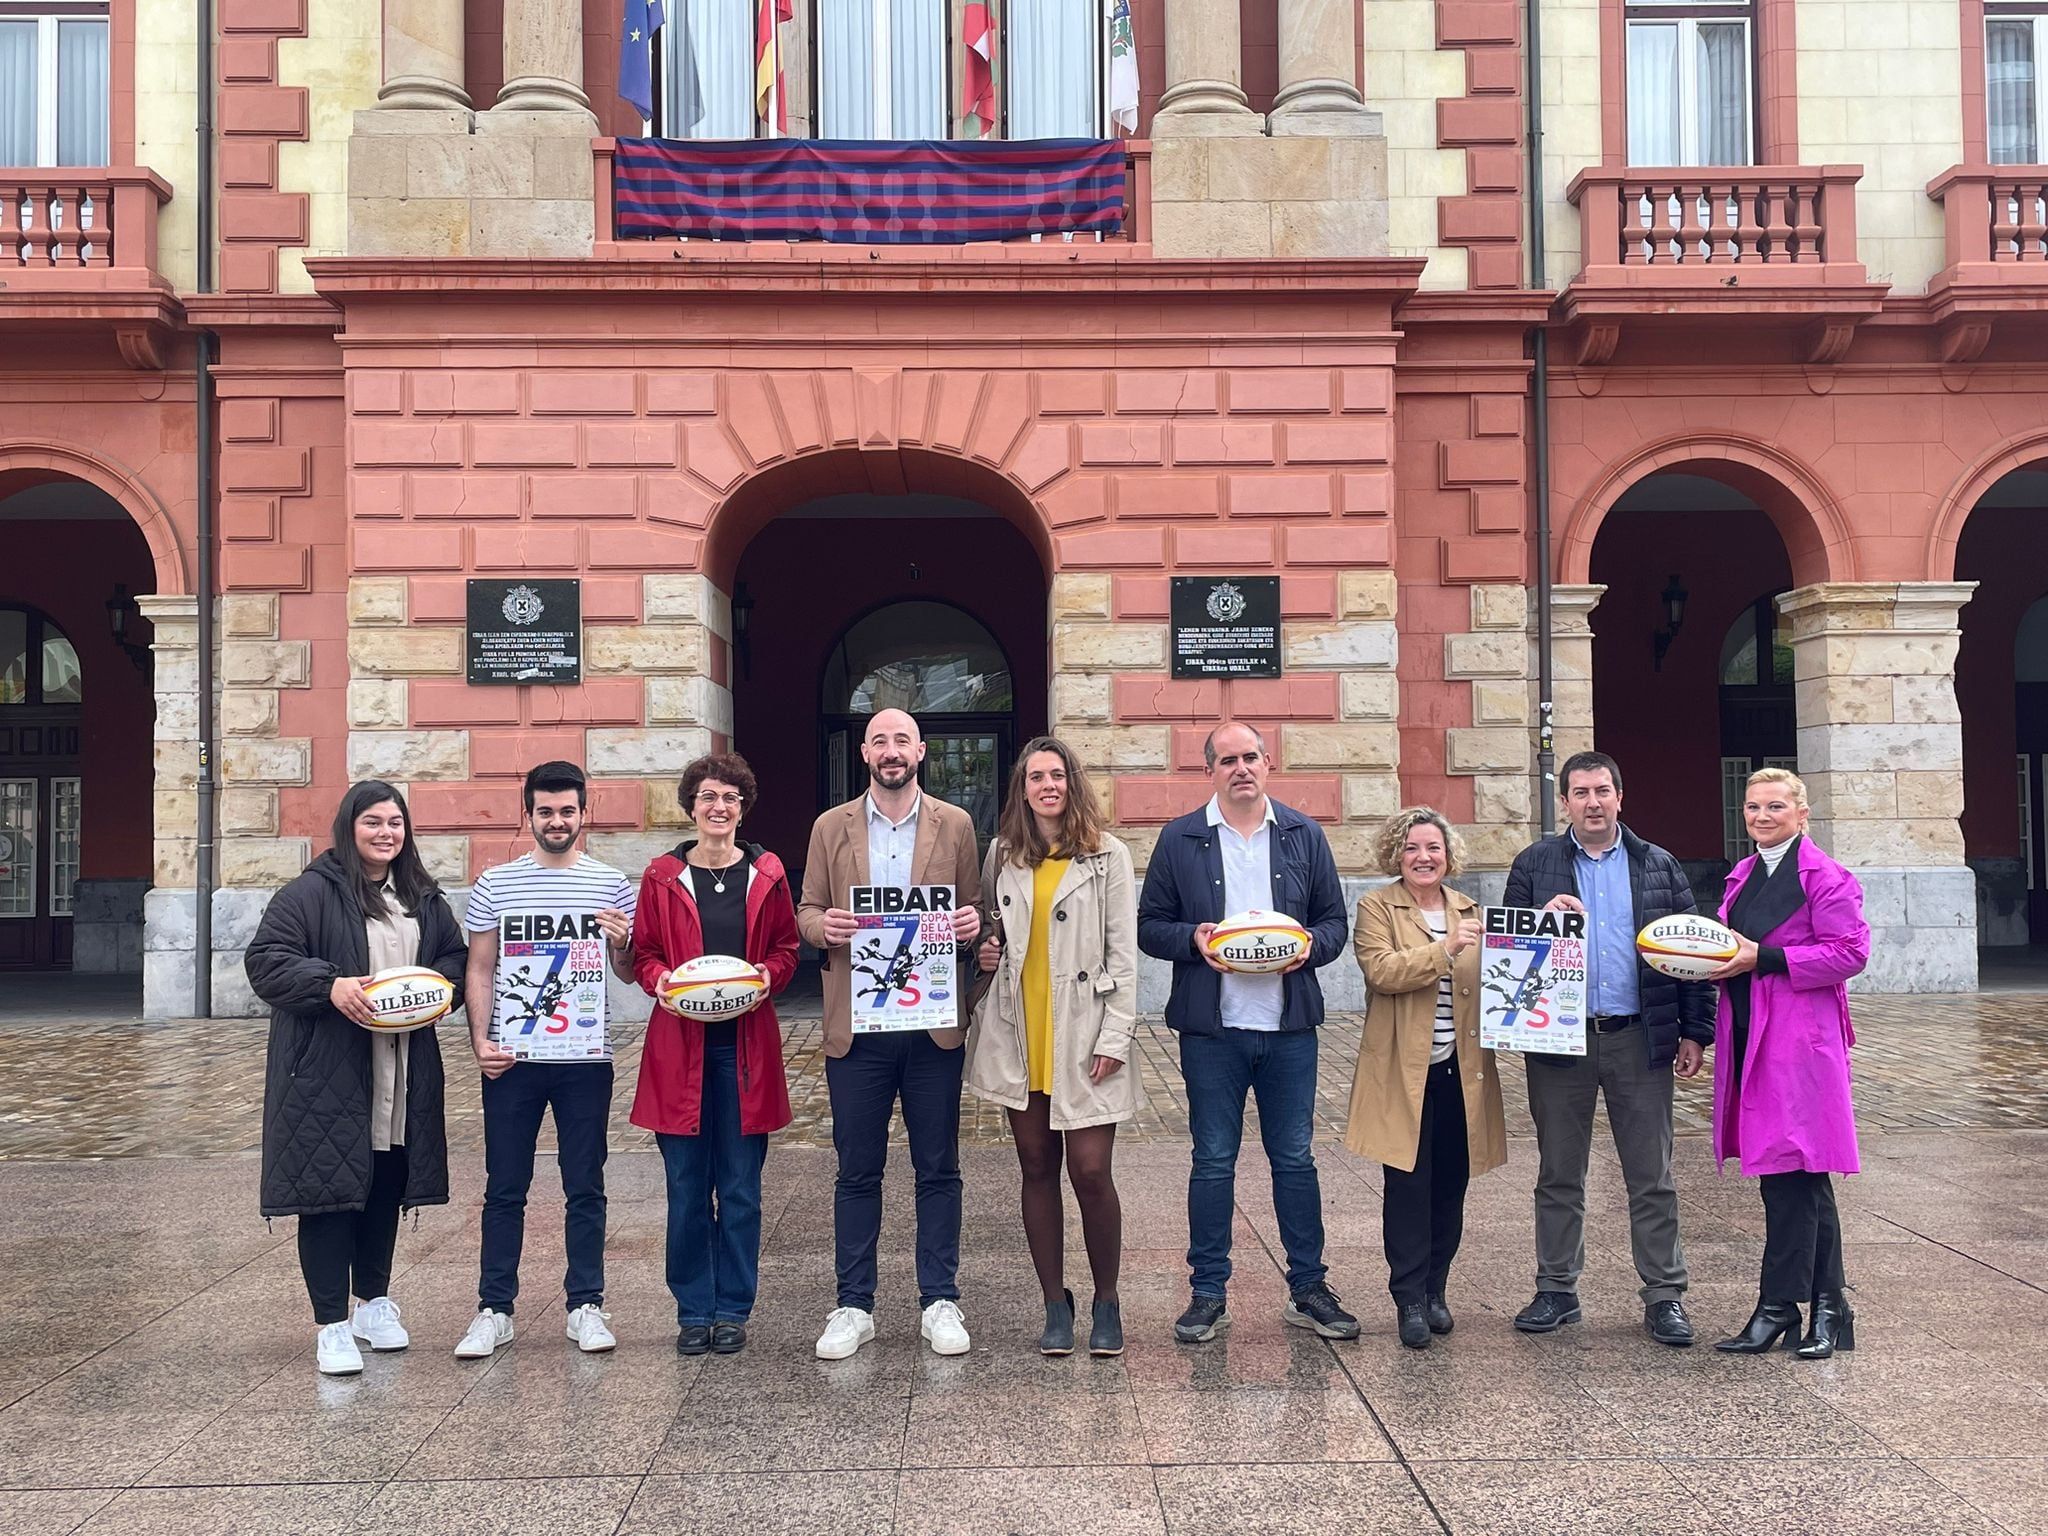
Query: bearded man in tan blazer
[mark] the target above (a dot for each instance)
(894, 835)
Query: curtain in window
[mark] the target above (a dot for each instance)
(1053, 71)
(1653, 94)
(846, 69)
(2009, 74)
(711, 41)
(1722, 78)
(17, 93)
(917, 70)
(81, 93)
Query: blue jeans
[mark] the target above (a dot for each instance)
(864, 1085)
(714, 1250)
(580, 1093)
(1279, 1068)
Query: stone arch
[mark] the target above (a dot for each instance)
(125, 488)
(761, 497)
(1804, 511)
(1992, 466)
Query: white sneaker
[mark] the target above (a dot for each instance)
(376, 1323)
(488, 1332)
(845, 1331)
(336, 1353)
(945, 1328)
(587, 1328)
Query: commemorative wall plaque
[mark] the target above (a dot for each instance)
(525, 632)
(1226, 626)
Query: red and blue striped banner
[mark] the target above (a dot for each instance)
(916, 192)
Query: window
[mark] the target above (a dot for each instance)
(928, 658)
(1689, 91)
(2027, 817)
(1735, 772)
(38, 664)
(2015, 86)
(884, 69)
(64, 825)
(53, 84)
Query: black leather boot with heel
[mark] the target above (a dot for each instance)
(1772, 1321)
(1831, 1329)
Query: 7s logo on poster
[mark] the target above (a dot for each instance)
(550, 1002)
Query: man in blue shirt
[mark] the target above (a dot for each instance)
(1642, 1027)
(1247, 1035)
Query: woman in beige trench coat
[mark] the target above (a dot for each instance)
(1426, 1100)
(1051, 1036)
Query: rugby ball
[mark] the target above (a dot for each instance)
(1258, 943)
(1686, 946)
(407, 997)
(713, 987)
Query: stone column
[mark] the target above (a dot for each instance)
(1881, 750)
(1318, 56)
(1571, 671)
(1204, 72)
(423, 56)
(543, 57)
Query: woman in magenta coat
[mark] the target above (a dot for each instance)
(1781, 1062)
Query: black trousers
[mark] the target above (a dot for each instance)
(1422, 1215)
(1802, 1237)
(344, 1253)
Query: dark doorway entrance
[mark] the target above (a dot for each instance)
(860, 602)
(41, 694)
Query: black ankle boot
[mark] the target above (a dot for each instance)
(1772, 1321)
(1832, 1328)
(1058, 1338)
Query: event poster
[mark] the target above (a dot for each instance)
(1532, 982)
(550, 1003)
(903, 958)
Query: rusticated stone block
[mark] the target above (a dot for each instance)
(377, 703)
(1081, 595)
(1317, 647)
(267, 760)
(249, 615)
(1500, 703)
(248, 711)
(1500, 607)
(247, 812)
(672, 648)
(1494, 654)
(1486, 749)
(643, 753)
(1371, 797)
(1121, 748)
(265, 663)
(376, 600)
(689, 701)
(1080, 647)
(1306, 746)
(1369, 695)
(1367, 594)
(408, 755)
(1078, 697)
(683, 599)
(262, 861)
(410, 652)
(1502, 798)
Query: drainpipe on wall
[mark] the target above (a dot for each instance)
(1539, 432)
(202, 370)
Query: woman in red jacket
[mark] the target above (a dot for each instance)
(712, 1093)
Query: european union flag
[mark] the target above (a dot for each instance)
(636, 53)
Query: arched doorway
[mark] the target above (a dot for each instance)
(860, 599)
(945, 667)
(2002, 693)
(1690, 673)
(76, 738)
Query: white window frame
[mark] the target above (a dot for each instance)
(33, 853)
(1642, 13)
(64, 864)
(2026, 767)
(2029, 11)
(46, 73)
(883, 100)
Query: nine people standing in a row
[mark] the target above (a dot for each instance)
(353, 1129)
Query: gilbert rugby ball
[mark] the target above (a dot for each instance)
(1686, 946)
(713, 987)
(408, 997)
(1258, 943)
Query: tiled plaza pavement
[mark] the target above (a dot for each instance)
(155, 1371)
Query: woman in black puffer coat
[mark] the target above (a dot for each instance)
(352, 1119)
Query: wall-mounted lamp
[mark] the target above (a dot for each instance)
(121, 614)
(742, 621)
(1673, 598)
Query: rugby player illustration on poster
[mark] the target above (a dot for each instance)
(903, 959)
(1532, 982)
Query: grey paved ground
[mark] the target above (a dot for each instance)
(156, 1374)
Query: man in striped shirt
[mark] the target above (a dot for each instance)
(554, 891)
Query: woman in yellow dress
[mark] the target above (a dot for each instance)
(1051, 1037)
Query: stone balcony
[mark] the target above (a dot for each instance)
(1995, 280)
(78, 251)
(1665, 247)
